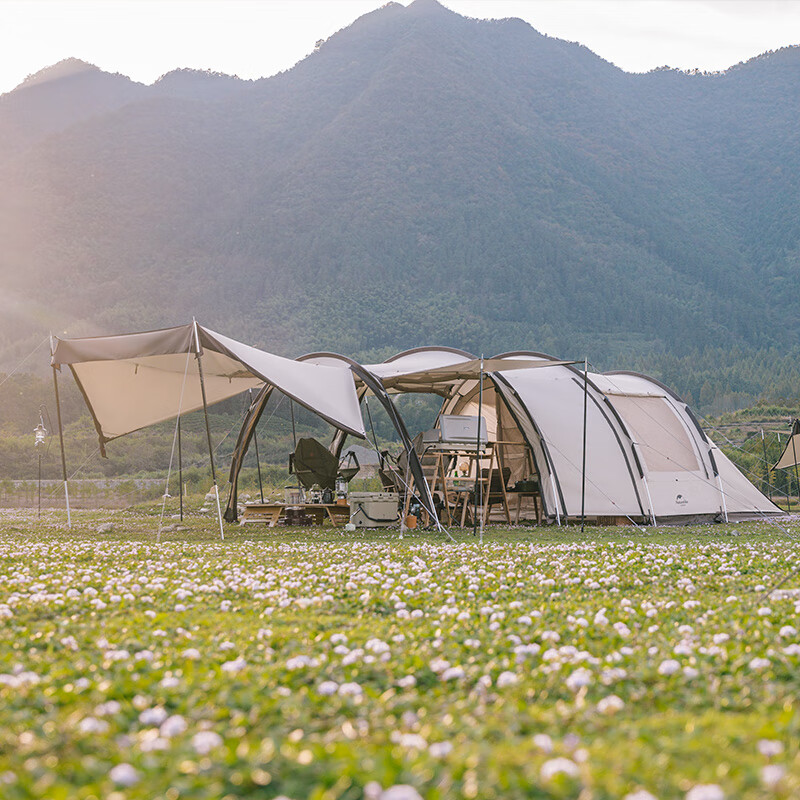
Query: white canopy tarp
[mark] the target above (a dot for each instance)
(134, 380)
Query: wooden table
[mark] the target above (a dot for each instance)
(271, 513)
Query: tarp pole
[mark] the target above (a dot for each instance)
(794, 456)
(294, 431)
(61, 441)
(199, 356)
(766, 464)
(477, 492)
(722, 497)
(258, 460)
(555, 496)
(180, 467)
(583, 463)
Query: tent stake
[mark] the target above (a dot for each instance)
(583, 463)
(61, 441)
(199, 356)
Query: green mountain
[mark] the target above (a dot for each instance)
(420, 178)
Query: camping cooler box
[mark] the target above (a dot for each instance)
(373, 509)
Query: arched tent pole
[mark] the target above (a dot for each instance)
(199, 357)
(258, 460)
(61, 436)
(246, 433)
(377, 388)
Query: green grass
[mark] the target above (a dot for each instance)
(237, 643)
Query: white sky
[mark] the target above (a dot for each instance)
(254, 38)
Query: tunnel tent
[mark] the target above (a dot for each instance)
(647, 458)
(131, 381)
(430, 370)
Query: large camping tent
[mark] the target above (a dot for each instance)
(646, 457)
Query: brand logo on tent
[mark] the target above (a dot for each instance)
(680, 500)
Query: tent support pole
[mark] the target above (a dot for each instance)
(208, 433)
(258, 460)
(722, 497)
(583, 462)
(477, 492)
(61, 441)
(555, 497)
(794, 454)
(180, 467)
(766, 464)
(294, 431)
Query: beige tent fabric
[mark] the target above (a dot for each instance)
(135, 380)
(790, 456)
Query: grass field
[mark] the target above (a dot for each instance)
(325, 665)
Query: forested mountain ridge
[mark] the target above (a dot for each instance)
(420, 178)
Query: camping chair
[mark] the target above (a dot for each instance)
(390, 476)
(312, 463)
(500, 478)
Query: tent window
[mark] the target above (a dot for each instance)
(662, 438)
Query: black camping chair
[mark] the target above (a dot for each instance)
(312, 463)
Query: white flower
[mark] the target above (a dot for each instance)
(401, 791)
(92, 725)
(786, 630)
(152, 716)
(705, 791)
(690, 672)
(327, 687)
(578, 679)
(506, 679)
(440, 749)
(770, 747)
(610, 705)
(558, 766)
(192, 653)
(772, 774)
(668, 667)
(172, 726)
(543, 742)
(407, 682)
(205, 741)
(453, 673)
(232, 667)
(124, 775)
(350, 689)
(412, 741)
(759, 663)
(639, 794)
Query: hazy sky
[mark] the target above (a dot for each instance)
(253, 38)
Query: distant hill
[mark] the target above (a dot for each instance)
(420, 178)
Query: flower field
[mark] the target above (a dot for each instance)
(319, 665)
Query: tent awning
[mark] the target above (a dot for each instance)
(134, 380)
